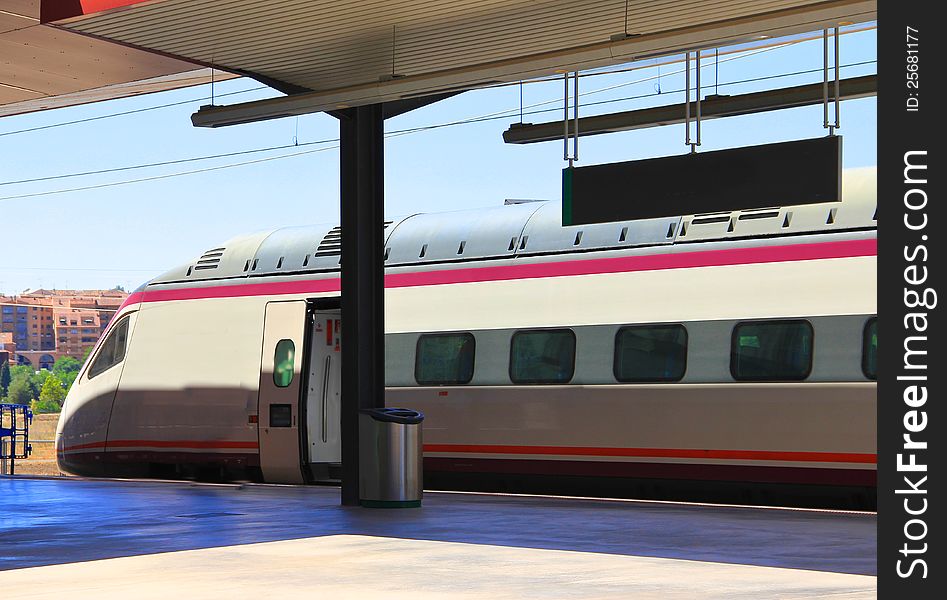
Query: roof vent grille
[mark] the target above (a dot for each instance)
(709, 219)
(331, 244)
(210, 259)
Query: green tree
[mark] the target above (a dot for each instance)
(67, 368)
(51, 396)
(37, 379)
(20, 372)
(20, 391)
(24, 374)
(5, 378)
(66, 364)
(68, 379)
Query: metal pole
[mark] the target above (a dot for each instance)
(575, 117)
(687, 99)
(565, 117)
(363, 316)
(837, 99)
(698, 99)
(825, 78)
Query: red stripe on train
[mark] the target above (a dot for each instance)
(818, 457)
(821, 457)
(825, 476)
(176, 444)
(599, 266)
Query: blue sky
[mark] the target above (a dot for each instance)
(126, 234)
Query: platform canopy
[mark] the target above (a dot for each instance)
(44, 67)
(334, 54)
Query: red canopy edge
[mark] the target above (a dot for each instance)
(51, 11)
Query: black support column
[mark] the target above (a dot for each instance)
(363, 294)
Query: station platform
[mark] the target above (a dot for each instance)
(118, 539)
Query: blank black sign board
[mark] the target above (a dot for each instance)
(786, 173)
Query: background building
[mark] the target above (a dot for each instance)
(7, 347)
(46, 324)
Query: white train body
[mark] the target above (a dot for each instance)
(188, 386)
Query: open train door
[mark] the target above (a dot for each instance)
(324, 396)
(280, 380)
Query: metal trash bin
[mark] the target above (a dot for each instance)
(390, 454)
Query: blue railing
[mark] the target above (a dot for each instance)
(15, 422)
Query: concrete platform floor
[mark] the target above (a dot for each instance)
(242, 541)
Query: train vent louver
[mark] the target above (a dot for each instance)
(209, 260)
(331, 244)
(710, 219)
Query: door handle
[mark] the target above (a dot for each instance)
(325, 399)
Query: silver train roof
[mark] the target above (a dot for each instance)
(516, 230)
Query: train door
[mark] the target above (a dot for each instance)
(323, 398)
(280, 377)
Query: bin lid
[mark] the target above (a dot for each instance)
(403, 416)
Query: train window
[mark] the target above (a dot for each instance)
(542, 356)
(284, 363)
(445, 359)
(870, 349)
(771, 350)
(112, 351)
(650, 353)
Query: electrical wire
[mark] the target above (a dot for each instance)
(127, 112)
(496, 117)
(158, 269)
(167, 162)
(591, 73)
(396, 133)
(168, 175)
(680, 58)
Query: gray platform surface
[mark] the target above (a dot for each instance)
(51, 521)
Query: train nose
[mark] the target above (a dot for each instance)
(81, 431)
(59, 451)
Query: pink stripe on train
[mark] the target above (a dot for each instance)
(622, 264)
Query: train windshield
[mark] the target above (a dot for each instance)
(112, 351)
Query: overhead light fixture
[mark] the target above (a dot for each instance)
(724, 106)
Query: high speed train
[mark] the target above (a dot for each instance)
(713, 354)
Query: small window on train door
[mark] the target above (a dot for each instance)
(445, 359)
(771, 350)
(870, 349)
(112, 350)
(542, 356)
(284, 363)
(650, 353)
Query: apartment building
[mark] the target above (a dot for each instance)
(47, 324)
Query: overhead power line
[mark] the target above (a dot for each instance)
(127, 112)
(168, 175)
(158, 269)
(396, 133)
(590, 73)
(166, 162)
